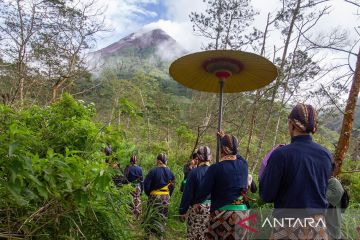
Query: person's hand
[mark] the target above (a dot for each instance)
(221, 134)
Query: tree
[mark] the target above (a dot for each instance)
(337, 40)
(20, 22)
(226, 24)
(295, 66)
(46, 41)
(61, 48)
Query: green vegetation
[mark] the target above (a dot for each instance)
(54, 180)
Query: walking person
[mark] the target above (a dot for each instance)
(226, 182)
(296, 177)
(197, 214)
(134, 175)
(190, 165)
(158, 186)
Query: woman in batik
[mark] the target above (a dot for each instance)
(134, 175)
(158, 186)
(226, 181)
(197, 214)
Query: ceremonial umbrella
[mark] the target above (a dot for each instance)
(222, 71)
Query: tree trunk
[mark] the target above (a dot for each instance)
(56, 88)
(346, 129)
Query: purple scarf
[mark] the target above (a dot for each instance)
(266, 159)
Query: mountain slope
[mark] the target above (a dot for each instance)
(143, 44)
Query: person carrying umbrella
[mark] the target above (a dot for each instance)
(158, 186)
(226, 181)
(198, 214)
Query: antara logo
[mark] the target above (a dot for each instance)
(282, 222)
(242, 224)
(294, 222)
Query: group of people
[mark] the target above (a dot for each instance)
(215, 196)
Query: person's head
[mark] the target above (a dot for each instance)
(161, 158)
(302, 120)
(203, 154)
(108, 149)
(194, 159)
(133, 159)
(228, 145)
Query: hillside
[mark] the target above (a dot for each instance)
(155, 47)
(143, 52)
(334, 122)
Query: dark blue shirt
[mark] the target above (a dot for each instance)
(192, 188)
(133, 173)
(297, 177)
(157, 178)
(224, 181)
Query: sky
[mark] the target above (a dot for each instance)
(123, 17)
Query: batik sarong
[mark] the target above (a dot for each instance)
(156, 215)
(223, 225)
(301, 230)
(197, 221)
(136, 203)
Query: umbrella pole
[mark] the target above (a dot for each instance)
(221, 82)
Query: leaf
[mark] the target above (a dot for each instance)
(42, 192)
(12, 148)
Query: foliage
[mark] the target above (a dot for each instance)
(43, 43)
(53, 180)
(226, 24)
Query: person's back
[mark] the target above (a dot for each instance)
(158, 186)
(134, 173)
(228, 181)
(193, 191)
(197, 214)
(296, 178)
(303, 183)
(157, 178)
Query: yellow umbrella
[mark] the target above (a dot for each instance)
(222, 71)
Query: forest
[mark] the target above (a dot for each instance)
(59, 110)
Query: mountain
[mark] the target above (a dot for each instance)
(143, 44)
(146, 52)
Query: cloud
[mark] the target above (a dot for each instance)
(180, 31)
(123, 17)
(179, 10)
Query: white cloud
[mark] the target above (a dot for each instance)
(179, 10)
(123, 17)
(180, 31)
